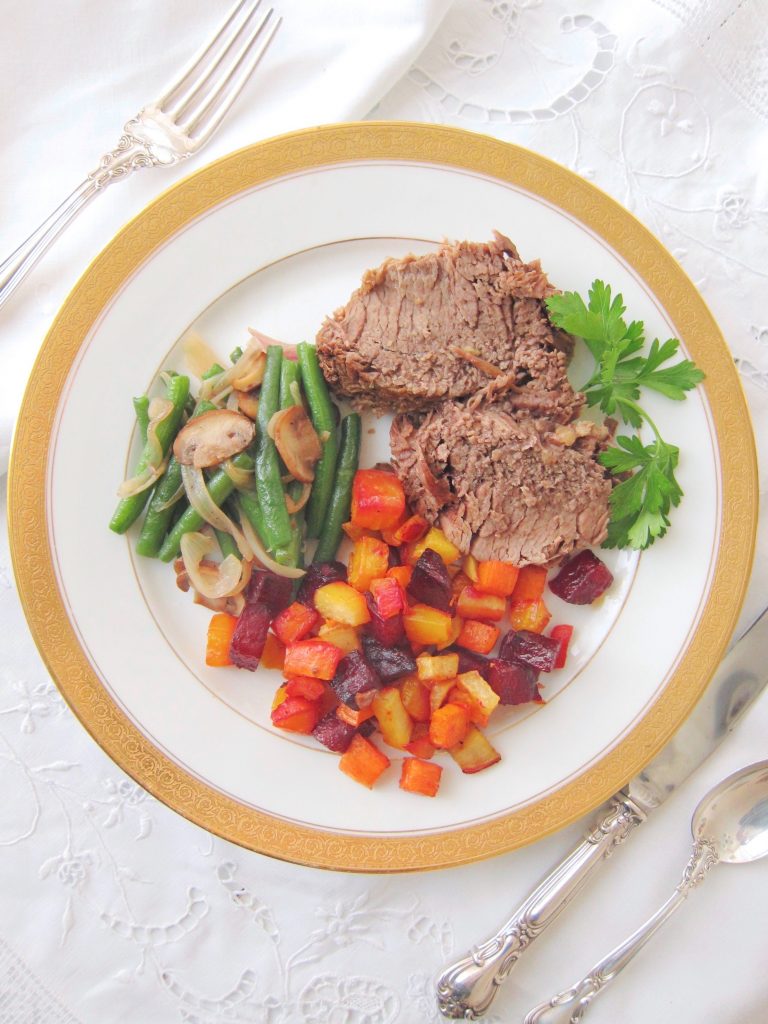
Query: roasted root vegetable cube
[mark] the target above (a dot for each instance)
(315, 658)
(540, 652)
(394, 721)
(354, 716)
(415, 697)
(474, 752)
(494, 577)
(269, 589)
(406, 532)
(448, 726)
(459, 582)
(420, 744)
(273, 655)
(296, 714)
(436, 540)
(388, 632)
(474, 604)
(279, 697)
(530, 583)
(363, 762)
(295, 622)
(427, 625)
(436, 668)
(346, 638)
(369, 561)
(250, 636)
(430, 583)
(388, 596)
(334, 733)
(563, 636)
(514, 683)
(220, 631)
(469, 565)
(378, 499)
(420, 776)
(355, 675)
(306, 687)
(317, 575)
(479, 637)
(453, 635)
(401, 573)
(342, 603)
(478, 690)
(531, 615)
(438, 694)
(389, 663)
(582, 579)
(356, 532)
(469, 660)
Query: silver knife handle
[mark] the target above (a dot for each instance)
(467, 988)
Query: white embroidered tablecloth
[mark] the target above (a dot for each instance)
(112, 908)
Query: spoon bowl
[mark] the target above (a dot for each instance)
(733, 817)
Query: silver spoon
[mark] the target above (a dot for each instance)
(729, 825)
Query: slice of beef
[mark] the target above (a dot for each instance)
(501, 486)
(427, 328)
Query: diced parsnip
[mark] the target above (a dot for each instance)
(478, 689)
(435, 668)
(346, 638)
(448, 725)
(394, 721)
(435, 539)
(415, 697)
(342, 603)
(420, 776)
(427, 625)
(438, 694)
(363, 762)
(474, 753)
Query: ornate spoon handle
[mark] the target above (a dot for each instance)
(467, 988)
(570, 1005)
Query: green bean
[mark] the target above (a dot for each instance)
(214, 371)
(235, 354)
(341, 496)
(141, 408)
(220, 487)
(290, 373)
(324, 421)
(161, 506)
(249, 506)
(227, 543)
(269, 486)
(129, 509)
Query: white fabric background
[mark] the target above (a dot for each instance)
(112, 908)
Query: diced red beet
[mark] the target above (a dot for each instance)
(250, 635)
(333, 733)
(354, 675)
(394, 557)
(514, 683)
(388, 632)
(430, 583)
(469, 661)
(582, 579)
(540, 652)
(316, 576)
(389, 662)
(275, 592)
(368, 727)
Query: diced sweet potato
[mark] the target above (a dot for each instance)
(563, 636)
(448, 726)
(354, 675)
(378, 499)
(430, 583)
(220, 631)
(346, 638)
(415, 697)
(369, 561)
(363, 762)
(530, 583)
(435, 539)
(394, 721)
(426, 625)
(314, 658)
(273, 655)
(420, 744)
(540, 652)
(334, 733)
(531, 615)
(420, 776)
(295, 622)
(436, 668)
(342, 603)
(306, 687)
(317, 575)
(494, 577)
(296, 714)
(474, 752)
(250, 636)
(479, 637)
(473, 604)
(582, 579)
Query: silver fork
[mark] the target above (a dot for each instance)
(166, 131)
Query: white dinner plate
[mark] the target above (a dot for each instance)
(275, 237)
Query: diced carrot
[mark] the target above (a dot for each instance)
(420, 776)
(296, 714)
(295, 622)
(306, 687)
(420, 745)
(427, 625)
(499, 578)
(563, 635)
(401, 573)
(473, 604)
(530, 615)
(469, 565)
(406, 531)
(314, 658)
(342, 603)
(388, 596)
(415, 697)
(530, 583)
(346, 638)
(273, 655)
(369, 561)
(436, 668)
(220, 630)
(448, 725)
(435, 539)
(354, 716)
(362, 761)
(479, 637)
(378, 499)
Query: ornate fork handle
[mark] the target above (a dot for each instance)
(467, 988)
(569, 1006)
(143, 144)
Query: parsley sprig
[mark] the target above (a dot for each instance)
(642, 502)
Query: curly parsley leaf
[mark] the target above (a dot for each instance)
(641, 503)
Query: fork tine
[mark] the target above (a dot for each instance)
(185, 78)
(210, 117)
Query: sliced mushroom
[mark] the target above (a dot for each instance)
(213, 437)
(249, 369)
(297, 442)
(248, 403)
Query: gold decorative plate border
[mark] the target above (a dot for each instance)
(28, 527)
